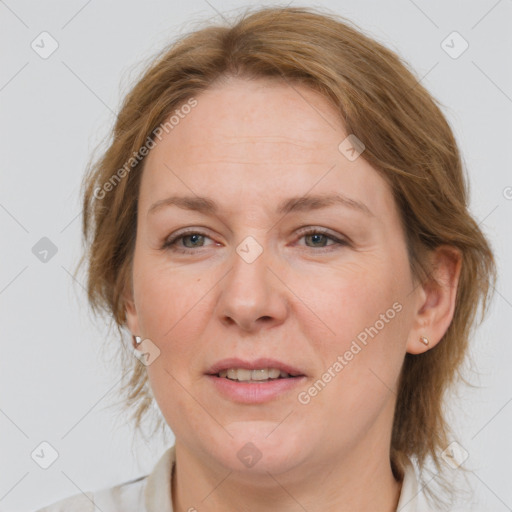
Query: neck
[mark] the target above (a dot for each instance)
(353, 481)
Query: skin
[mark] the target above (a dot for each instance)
(248, 145)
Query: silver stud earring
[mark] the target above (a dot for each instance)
(137, 340)
(424, 340)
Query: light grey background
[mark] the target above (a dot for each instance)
(55, 386)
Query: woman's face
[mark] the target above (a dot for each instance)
(282, 245)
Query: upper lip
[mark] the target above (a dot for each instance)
(255, 364)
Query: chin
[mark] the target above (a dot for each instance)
(260, 448)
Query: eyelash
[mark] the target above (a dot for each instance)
(170, 245)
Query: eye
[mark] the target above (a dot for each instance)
(195, 238)
(317, 236)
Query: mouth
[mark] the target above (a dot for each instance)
(255, 376)
(257, 371)
(259, 390)
(254, 382)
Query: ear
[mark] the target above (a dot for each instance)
(132, 319)
(435, 300)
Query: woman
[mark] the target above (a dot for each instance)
(281, 224)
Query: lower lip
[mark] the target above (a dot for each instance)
(254, 392)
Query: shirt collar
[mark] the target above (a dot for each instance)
(408, 501)
(157, 494)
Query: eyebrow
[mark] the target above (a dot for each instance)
(293, 204)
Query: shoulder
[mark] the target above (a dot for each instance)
(125, 497)
(150, 492)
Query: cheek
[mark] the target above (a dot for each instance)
(360, 364)
(341, 302)
(166, 297)
(363, 348)
(168, 309)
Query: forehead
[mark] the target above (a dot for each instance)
(258, 139)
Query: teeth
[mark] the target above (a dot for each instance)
(232, 374)
(244, 375)
(274, 373)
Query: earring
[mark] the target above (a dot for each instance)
(137, 340)
(424, 340)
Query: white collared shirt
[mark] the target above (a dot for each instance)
(152, 493)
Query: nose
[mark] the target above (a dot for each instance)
(252, 295)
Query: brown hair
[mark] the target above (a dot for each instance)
(407, 139)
